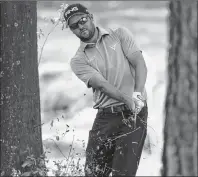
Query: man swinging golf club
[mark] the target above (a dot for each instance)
(110, 62)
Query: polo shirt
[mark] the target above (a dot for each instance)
(108, 57)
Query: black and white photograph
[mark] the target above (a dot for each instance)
(98, 88)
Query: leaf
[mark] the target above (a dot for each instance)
(27, 163)
(27, 173)
(34, 172)
(63, 27)
(2, 173)
(57, 138)
(41, 32)
(52, 123)
(52, 20)
(41, 173)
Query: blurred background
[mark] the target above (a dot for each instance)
(66, 103)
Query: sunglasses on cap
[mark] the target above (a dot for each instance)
(82, 21)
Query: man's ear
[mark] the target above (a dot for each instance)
(91, 16)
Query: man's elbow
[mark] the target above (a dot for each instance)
(98, 83)
(102, 86)
(145, 67)
(141, 65)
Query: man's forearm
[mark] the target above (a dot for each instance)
(137, 61)
(114, 93)
(97, 81)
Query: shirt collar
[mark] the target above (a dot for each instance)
(102, 32)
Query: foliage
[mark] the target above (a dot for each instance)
(69, 166)
(55, 21)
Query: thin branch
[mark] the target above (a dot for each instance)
(110, 140)
(67, 166)
(46, 40)
(59, 148)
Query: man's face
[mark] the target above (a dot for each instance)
(82, 26)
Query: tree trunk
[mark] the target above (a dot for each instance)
(180, 131)
(20, 100)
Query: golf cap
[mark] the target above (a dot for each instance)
(74, 9)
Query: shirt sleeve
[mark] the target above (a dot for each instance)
(127, 40)
(83, 70)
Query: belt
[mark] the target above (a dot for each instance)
(114, 109)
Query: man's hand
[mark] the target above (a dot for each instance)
(130, 103)
(139, 101)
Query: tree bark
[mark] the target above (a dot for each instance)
(180, 130)
(20, 101)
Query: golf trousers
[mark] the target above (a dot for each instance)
(113, 146)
